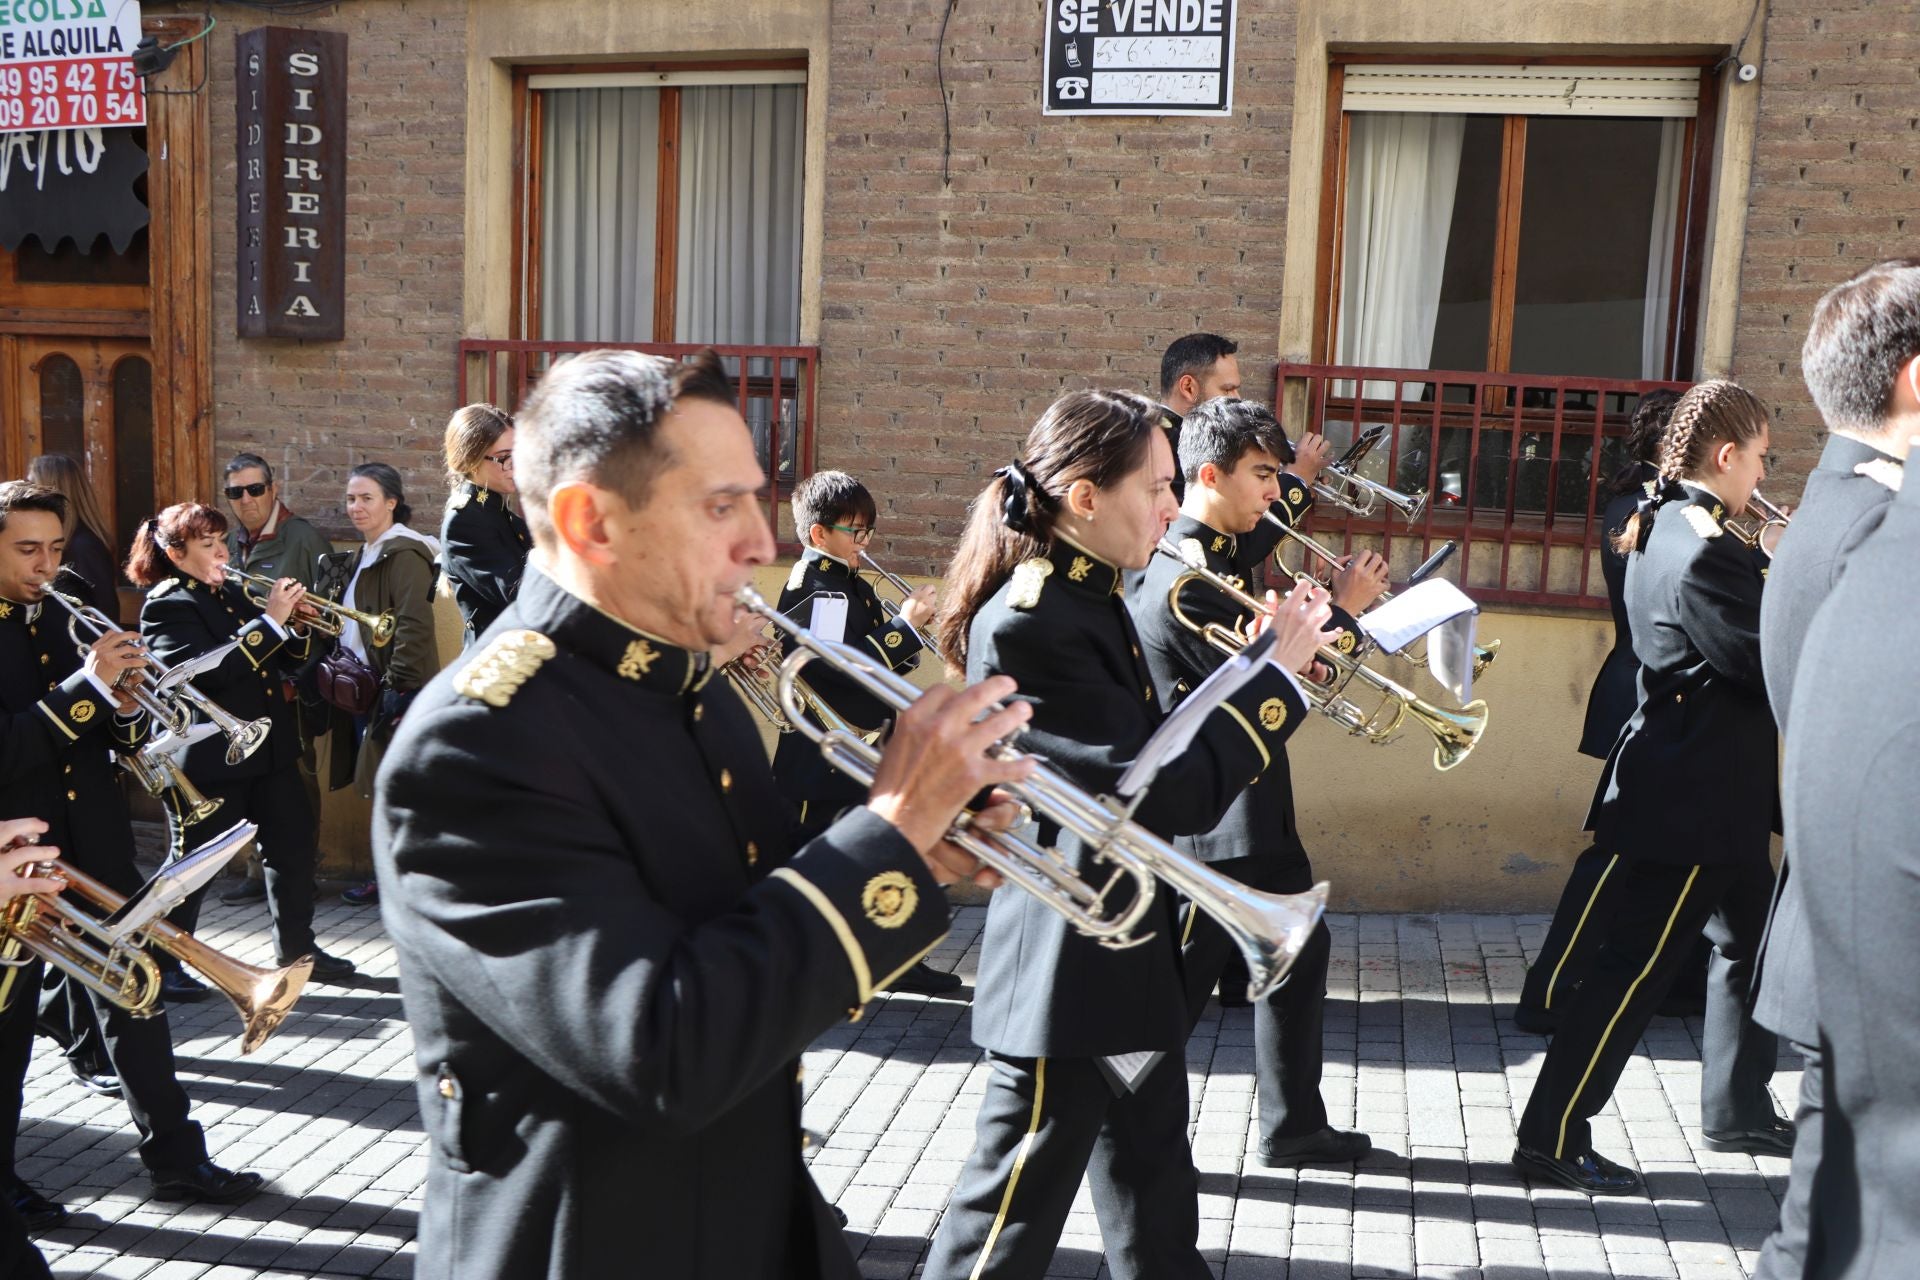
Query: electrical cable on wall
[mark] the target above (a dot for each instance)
(946, 112)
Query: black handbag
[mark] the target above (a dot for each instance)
(345, 681)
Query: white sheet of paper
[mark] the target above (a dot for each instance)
(1414, 612)
(829, 620)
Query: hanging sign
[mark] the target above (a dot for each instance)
(291, 132)
(1139, 57)
(66, 64)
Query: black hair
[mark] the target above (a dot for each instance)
(1195, 354)
(391, 486)
(830, 497)
(1222, 430)
(25, 495)
(1863, 333)
(1644, 434)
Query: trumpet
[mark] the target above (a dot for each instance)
(1342, 485)
(83, 946)
(1269, 929)
(1483, 654)
(1752, 524)
(331, 617)
(891, 607)
(1455, 730)
(156, 766)
(167, 694)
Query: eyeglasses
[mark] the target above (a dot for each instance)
(861, 534)
(235, 492)
(504, 458)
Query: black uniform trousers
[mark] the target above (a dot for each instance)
(1042, 1123)
(1575, 934)
(1288, 1024)
(1784, 1255)
(277, 801)
(1654, 911)
(19, 1259)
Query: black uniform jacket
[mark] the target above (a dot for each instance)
(1839, 511)
(57, 739)
(815, 789)
(1261, 820)
(1615, 691)
(611, 959)
(1852, 759)
(483, 546)
(1059, 626)
(183, 618)
(1694, 775)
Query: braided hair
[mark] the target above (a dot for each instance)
(1100, 436)
(1712, 413)
(1644, 434)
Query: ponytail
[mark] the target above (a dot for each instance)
(148, 562)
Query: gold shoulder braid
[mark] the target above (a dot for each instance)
(1702, 521)
(798, 576)
(460, 497)
(1883, 471)
(1028, 577)
(496, 673)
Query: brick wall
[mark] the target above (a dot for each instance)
(316, 409)
(1836, 187)
(1066, 253)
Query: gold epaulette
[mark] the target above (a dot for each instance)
(162, 587)
(460, 497)
(798, 576)
(1028, 577)
(1883, 471)
(1702, 521)
(496, 673)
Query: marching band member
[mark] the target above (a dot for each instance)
(61, 719)
(19, 1259)
(483, 542)
(1861, 361)
(1035, 593)
(1687, 800)
(1231, 453)
(180, 556)
(611, 955)
(835, 514)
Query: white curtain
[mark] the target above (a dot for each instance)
(600, 179)
(1660, 246)
(740, 198)
(1402, 172)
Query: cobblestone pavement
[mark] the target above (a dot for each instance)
(1421, 1053)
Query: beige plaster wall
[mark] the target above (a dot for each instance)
(1517, 28)
(502, 33)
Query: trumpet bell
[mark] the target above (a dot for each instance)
(246, 739)
(383, 627)
(1276, 930)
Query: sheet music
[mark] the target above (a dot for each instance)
(172, 883)
(1176, 733)
(829, 618)
(1125, 1071)
(1414, 612)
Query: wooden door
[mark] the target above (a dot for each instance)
(91, 398)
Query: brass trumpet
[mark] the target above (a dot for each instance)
(1269, 929)
(84, 947)
(167, 693)
(1483, 654)
(1342, 485)
(1455, 730)
(1768, 516)
(331, 617)
(157, 767)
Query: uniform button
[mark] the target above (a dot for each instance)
(446, 1088)
(1136, 649)
(1679, 697)
(726, 780)
(800, 1073)
(698, 711)
(66, 768)
(1148, 691)
(45, 659)
(753, 854)
(806, 1139)
(73, 795)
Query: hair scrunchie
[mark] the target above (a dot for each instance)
(1024, 497)
(153, 531)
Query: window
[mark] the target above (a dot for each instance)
(665, 206)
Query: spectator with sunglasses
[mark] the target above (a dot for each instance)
(485, 544)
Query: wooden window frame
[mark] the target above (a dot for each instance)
(1690, 233)
(528, 166)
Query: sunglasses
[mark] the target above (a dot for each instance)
(504, 458)
(236, 491)
(859, 533)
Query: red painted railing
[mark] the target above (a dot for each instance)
(1508, 457)
(776, 386)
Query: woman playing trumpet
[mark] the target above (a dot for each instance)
(1036, 594)
(193, 606)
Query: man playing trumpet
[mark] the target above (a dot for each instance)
(835, 515)
(1232, 452)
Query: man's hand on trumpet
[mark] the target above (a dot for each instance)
(1298, 620)
(1360, 580)
(1311, 454)
(116, 659)
(18, 854)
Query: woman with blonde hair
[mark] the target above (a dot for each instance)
(485, 543)
(89, 551)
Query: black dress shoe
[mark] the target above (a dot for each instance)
(203, 1181)
(1775, 1139)
(1590, 1172)
(104, 1084)
(328, 968)
(924, 980)
(839, 1213)
(1328, 1146)
(246, 890)
(177, 986)
(1535, 1020)
(35, 1210)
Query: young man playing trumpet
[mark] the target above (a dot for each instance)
(835, 514)
(1232, 452)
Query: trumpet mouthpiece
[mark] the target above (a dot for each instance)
(749, 598)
